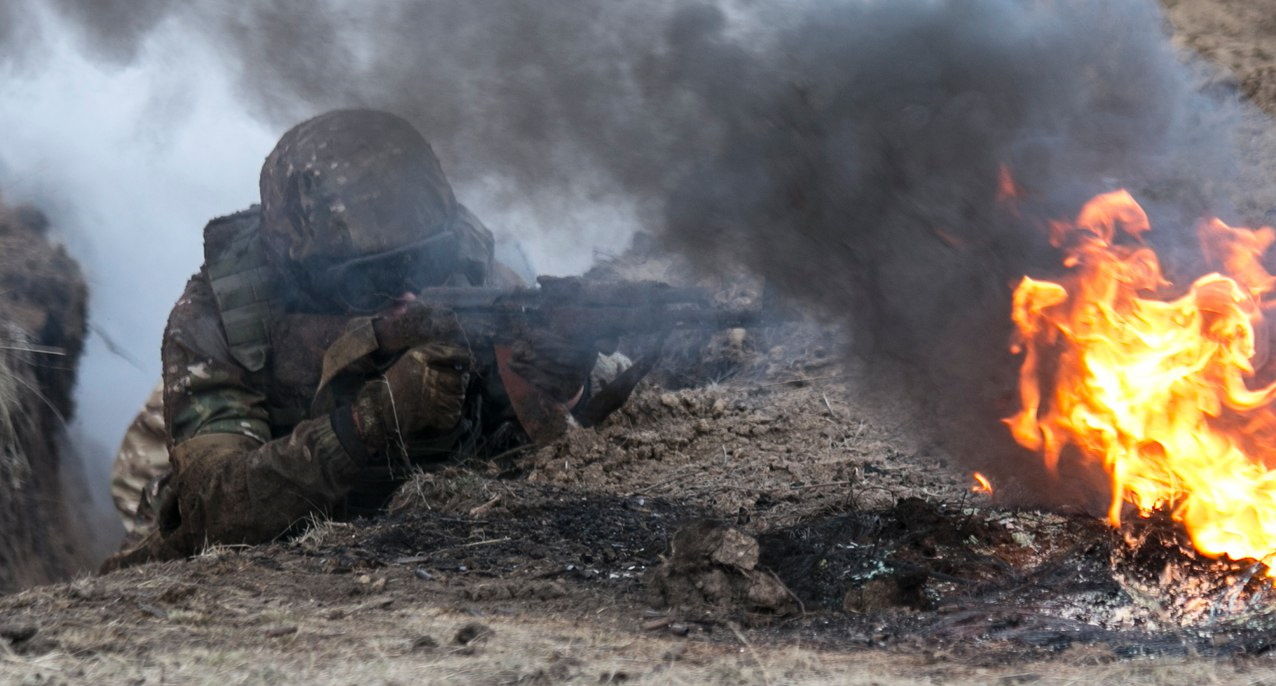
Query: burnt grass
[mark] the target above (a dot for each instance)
(919, 576)
(936, 578)
(540, 533)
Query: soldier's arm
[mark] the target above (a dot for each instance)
(233, 483)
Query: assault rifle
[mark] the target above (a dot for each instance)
(584, 313)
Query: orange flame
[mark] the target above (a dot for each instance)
(982, 484)
(1155, 390)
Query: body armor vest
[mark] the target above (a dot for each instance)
(244, 285)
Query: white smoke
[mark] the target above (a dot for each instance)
(130, 161)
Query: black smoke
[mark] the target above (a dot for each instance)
(847, 150)
(858, 166)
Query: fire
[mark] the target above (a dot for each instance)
(1156, 390)
(982, 484)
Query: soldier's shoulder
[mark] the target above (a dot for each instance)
(224, 228)
(253, 212)
(224, 232)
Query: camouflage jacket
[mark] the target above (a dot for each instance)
(240, 368)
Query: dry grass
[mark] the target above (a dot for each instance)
(532, 650)
(319, 532)
(452, 490)
(15, 417)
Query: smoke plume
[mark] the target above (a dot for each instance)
(847, 150)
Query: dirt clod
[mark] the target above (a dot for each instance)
(736, 549)
(279, 631)
(17, 633)
(882, 593)
(424, 644)
(473, 632)
(712, 570)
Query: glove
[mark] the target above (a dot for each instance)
(419, 325)
(552, 364)
(423, 391)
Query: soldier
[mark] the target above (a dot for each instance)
(298, 376)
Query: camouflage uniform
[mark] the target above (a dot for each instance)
(264, 429)
(140, 464)
(253, 450)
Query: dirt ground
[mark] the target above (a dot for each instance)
(758, 526)
(892, 572)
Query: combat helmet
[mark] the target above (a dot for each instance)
(352, 200)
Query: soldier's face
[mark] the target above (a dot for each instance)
(383, 281)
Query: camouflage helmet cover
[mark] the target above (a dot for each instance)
(349, 183)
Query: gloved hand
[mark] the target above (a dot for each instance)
(424, 390)
(419, 325)
(552, 364)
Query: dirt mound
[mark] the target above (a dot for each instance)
(42, 330)
(765, 454)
